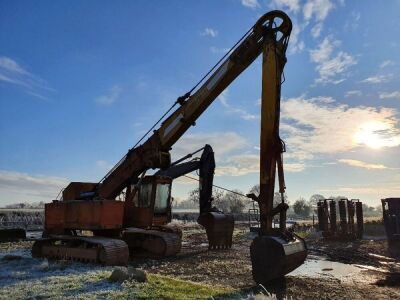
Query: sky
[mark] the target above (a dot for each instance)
(81, 81)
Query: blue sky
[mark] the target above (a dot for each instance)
(80, 82)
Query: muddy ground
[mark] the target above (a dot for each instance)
(363, 269)
(350, 270)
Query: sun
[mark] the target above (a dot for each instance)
(371, 134)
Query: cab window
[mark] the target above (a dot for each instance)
(162, 198)
(144, 199)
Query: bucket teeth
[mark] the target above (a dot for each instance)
(212, 246)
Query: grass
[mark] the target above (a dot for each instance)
(162, 287)
(28, 279)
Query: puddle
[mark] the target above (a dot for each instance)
(374, 238)
(31, 235)
(381, 257)
(320, 267)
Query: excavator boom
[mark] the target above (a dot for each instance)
(154, 152)
(276, 251)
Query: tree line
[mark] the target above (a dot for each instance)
(235, 203)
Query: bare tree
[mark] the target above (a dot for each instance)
(315, 198)
(277, 196)
(194, 196)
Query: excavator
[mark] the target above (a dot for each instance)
(165, 240)
(142, 217)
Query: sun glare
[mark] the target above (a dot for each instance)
(371, 134)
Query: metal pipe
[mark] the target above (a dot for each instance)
(360, 219)
(332, 212)
(320, 213)
(343, 216)
(350, 217)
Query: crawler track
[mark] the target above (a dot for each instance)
(101, 250)
(152, 243)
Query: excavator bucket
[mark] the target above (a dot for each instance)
(273, 257)
(219, 229)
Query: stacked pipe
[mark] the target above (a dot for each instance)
(322, 216)
(351, 221)
(350, 218)
(332, 213)
(343, 216)
(360, 219)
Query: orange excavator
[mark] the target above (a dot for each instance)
(141, 219)
(152, 203)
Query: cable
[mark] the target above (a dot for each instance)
(220, 187)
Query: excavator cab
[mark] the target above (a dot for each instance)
(152, 202)
(147, 213)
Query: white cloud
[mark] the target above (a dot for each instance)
(217, 50)
(290, 5)
(318, 9)
(223, 143)
(239, 165)
(392, 95)
(13, 73)
(209, 32)
(250, 3)
(324, 50)
(375, 192)
(294, 167)
(313, 9)
(353, 93)
(328, 65)
(112, 96)
(315, 128)
(296, 45)
(317, 29)
(104, 165)
(223, 97)
(11, 65)
(353, 21)
(22, 187)
(183, 180)
(386, 63)
(335, 66)
(243, 114)
(362, 164)
(378, 79)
